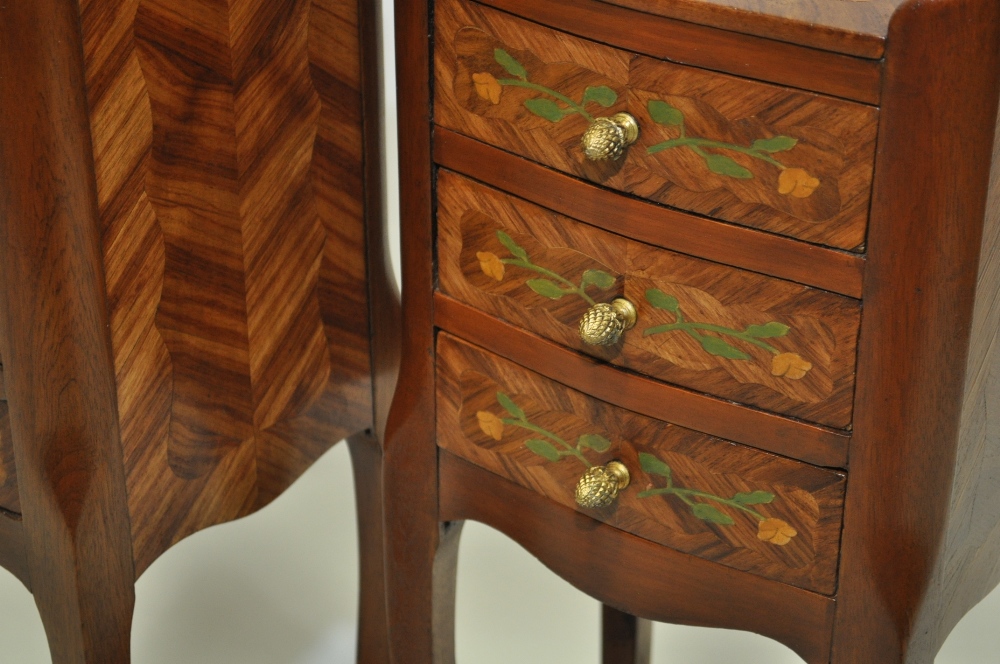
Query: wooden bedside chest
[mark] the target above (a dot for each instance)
(194, 300)
(700, 300)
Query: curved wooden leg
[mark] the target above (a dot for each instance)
(366, 459)
(625, 638)
(84, 623)
(422, 557)
(445, 576)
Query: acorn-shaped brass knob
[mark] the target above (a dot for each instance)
(600, 485)
(607, 138)
(603, 324)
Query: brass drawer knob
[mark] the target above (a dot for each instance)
(600, 485)
(604, 324)
(607, 138)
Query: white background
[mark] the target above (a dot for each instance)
(280, 587)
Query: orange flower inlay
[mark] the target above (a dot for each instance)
(487, 87)
(775, 531)
(491, 264)
(491, 425)
(790, 365)
(797, 182)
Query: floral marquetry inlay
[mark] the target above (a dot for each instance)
(701, 495)
(783, 160)
(709, 327)
(703, 505)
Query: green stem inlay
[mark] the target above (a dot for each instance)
(753, 335)
(573, 288)
(666, 115)
(568, 450)
(545, 107)
(550, 287)
(519, 83)
(687, 494)
(697, 143)
(688, 327)
(699, 502)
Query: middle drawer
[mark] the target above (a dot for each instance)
(774, 344)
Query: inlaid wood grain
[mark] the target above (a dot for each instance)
(828, 145)
(858, 27)
(473, 425)
(815, 331)
(228, 153)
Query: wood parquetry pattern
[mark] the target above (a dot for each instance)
(822, 326)
(835, 139)
(808, 498)
(227, 144)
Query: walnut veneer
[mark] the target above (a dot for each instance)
(807, 226)
(193, 295)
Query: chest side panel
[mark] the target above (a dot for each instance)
(228, 151)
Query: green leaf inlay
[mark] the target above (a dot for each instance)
(710, 513)
(546, 288)
(720, 164)
(507, 61)
(768, 330)
(601, 94)
(599, 278)
(774, 144)
(509, 405)
(719, 348)
(661, 300)
(543, 448)
(653, 466)
(596, 442)
(754, 498)
(513, 247)
(546, 108)
(664, 114)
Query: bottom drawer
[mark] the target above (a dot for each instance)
(708, 497)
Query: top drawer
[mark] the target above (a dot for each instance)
(785, 161)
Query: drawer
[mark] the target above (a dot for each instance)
(781, 160)
(740, 335)
(857, 27)
(708, 497)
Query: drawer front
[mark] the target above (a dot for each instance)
(700, 495)
(758, 340)
(781, 160)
